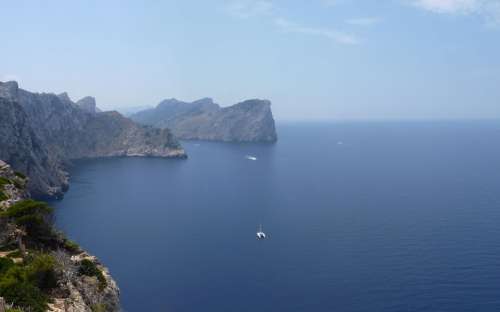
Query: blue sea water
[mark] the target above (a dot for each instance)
(361, 216)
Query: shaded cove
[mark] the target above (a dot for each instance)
(360, 216)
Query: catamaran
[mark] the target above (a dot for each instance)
(260, 233)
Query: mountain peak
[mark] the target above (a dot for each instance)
(64, 97)
(171, 101)
(88, 104)
(9, 89)
(205, 100)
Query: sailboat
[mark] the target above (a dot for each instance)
(260, 233)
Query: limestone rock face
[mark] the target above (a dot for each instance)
(40, 133)
(64, 97)
(248, 121)
(14, 190)
(88, 104)
(26, 152)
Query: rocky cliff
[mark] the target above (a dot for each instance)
(40, 133)
(63, 280)
(248, 121)
(88, 104)
(25, 151)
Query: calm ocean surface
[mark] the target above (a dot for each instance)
(360, 216)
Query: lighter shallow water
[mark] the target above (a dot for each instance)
(399, 217)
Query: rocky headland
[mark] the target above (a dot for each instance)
(248, 121)
(40, 133)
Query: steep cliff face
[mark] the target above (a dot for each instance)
(40, 133)
(25, 151)
(248, 121)
(72, 291)
(88, 104)
(120, 136)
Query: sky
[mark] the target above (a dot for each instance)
(314, 59)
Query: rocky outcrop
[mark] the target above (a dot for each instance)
(40, 133)
(81, 293)
(248, 121)
(88, 104)
(74, 292)
(11, 186)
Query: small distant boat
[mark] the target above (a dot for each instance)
(260, 233)
(251, 157)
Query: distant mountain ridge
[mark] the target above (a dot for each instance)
(41, 132)
(248, 121)
(127, 111)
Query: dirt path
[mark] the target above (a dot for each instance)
(4, 254)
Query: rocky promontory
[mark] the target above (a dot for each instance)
(248, 121)
(40, 133)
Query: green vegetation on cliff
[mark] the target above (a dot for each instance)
(2, 196)
(4, 181)
(89, 268)
(20, 175)
(27, 284)
(34, 218)
(31, 266)
(40, 268)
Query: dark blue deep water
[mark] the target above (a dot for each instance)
(361, 217)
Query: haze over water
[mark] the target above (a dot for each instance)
(360, 217)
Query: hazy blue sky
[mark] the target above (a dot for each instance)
(312, 59)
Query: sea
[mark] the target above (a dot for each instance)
(360, 216)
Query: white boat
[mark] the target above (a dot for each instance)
(251, 157)
(260, 233)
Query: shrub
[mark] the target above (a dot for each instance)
(5, 265)
(4, 181)
(3, 196)
(98, 308)
(24, 295)
(26, 285)
(89, 268)
(34, 216)
(71, 246)
(41, 272)
(20, 175)
(17, 184)
(28, 207)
